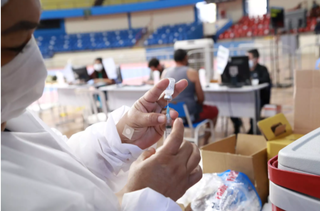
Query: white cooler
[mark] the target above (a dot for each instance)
(303, 155)
(295, 175)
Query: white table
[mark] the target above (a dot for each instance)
(124, 95)
(231, 102)
(236, 102)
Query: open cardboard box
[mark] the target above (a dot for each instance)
(246, 154)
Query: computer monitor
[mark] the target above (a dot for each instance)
(277, 17)
(237, 72)
(81, 73)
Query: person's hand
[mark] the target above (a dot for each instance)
(145, 116)
(108, 81)
(171, 171)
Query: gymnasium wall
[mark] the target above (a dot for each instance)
(289, 4)
(96, 23)
(233, 9)
(157, 18)
(120, 56)
(153, 19)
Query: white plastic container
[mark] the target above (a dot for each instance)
(290, 200)
(255, 82)
(303, 155)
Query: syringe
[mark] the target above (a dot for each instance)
(168, 96)
(168, 123)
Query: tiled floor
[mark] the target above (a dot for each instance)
(74, 122)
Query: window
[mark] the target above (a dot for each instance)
(207, 12)
(256, 7)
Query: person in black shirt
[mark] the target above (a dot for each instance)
(260, 72)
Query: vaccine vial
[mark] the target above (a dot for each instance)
(170, 89)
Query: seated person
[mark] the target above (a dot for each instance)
(100, 74)
(154, 65)
(260, 72)
(193, 95)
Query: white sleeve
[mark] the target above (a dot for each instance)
(100, 149)
(146, 200)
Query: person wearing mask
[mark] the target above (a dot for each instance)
(193, 95)
(154, 65)
(100, 74)
(108, 166)
(315, 5)
(261, 73)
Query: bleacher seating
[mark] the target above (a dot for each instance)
(50, 44)
(248, 27)
(69, 4)
(170, 33)
(311, 24)
(260, 26)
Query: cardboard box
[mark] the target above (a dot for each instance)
(306, 101)
(246, 154)
(278, 132)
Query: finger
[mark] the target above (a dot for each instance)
(173, 113)
(185, 152)
(194, 159)
(173, 142)
(179, 87)
(195, 176)
(147, 153)
(150, 119)
(153, 94)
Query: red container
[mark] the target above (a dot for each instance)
(297, 183)
(303, 183)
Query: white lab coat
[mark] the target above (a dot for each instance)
(42, 170)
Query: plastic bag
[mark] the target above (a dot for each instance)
(227, 191)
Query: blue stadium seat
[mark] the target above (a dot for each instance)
(171, 33)
(54, 43)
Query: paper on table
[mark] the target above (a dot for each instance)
(110, 67)
(202, 77)
(68, 73)
(222, 58)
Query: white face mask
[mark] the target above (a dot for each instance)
(22, 81)
(250, 64)
(97, 67)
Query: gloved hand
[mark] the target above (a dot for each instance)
(145, 116)
(171, 170)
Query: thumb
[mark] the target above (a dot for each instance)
(147, 153)
(173, 142)
(150, 119)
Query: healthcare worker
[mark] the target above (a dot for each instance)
(100, 74)
(42, 170)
